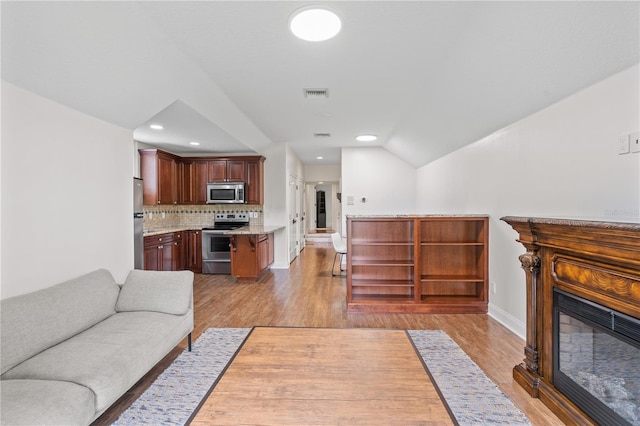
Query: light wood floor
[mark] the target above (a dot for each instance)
(359, 376)
(306, 295)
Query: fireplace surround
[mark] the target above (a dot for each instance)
(583, 316)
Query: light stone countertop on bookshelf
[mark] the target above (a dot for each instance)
(409, 216)
(255, 230)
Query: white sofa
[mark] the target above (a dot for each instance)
(71, 350)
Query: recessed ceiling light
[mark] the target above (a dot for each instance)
(319, 158)
(194, 143)
(314, 24)
(156, 126)
(366, 138)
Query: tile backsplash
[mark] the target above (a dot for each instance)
(192, 216)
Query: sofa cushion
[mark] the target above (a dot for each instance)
(45, 402)
(33, 322)
(110, 357)
(158, 291)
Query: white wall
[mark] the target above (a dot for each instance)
(559, 162)
(275, 200)
(322, 172)
(67, 197)
(387, 183)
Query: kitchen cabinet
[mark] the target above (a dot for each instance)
(430, 264)
(159, 172)
(251, 255)
(194, 251)
(159, 252)
(254, 193)
(226, 170)
(194, 177)
(179, 254)
(170, 179)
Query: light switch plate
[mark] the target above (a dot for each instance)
(634, 142)
(622, 144)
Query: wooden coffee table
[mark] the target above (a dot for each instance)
(304, 376)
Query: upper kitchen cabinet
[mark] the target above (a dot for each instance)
(159, 172)
(194, 175)
(170, 179)
(227, 170)
(254, 186)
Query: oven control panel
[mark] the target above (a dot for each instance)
(232, 217)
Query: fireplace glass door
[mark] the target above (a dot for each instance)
(597, 359)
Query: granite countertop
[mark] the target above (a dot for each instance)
(152, 232)
(255, 230)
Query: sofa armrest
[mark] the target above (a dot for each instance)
(168, 292)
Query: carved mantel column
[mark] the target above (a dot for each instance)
(531, 265)
(528, 373)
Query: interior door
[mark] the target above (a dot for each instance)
(293, 220)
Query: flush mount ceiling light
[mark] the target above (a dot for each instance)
(366, 138)
(319, 158)
(314, 24)
(156, 126)
(194, 143)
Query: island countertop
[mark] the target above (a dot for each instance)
(254, 230)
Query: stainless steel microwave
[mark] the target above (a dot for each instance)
(225, 193)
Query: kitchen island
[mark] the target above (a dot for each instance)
(251, 251)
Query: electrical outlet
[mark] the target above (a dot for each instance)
(622, 144)
(635, 143)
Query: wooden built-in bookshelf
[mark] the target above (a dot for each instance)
(435, 264)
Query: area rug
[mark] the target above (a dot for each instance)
(471, 396)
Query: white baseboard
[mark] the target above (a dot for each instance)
(508, 320)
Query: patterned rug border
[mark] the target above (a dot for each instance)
(174, 396)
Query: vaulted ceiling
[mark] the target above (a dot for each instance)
(426, 77)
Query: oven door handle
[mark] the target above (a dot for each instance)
(232, 243)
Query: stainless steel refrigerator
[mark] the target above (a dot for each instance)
(138, 218)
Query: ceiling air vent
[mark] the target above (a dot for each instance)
(322, 135)
(316, 93)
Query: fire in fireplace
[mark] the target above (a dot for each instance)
(597, 359)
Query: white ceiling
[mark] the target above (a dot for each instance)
(426, 77)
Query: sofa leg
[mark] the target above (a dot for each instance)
(189, 341)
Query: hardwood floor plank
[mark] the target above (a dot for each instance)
(306, 295)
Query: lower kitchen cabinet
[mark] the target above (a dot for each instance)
(194, 251)
(159, 252)
(251, 255)
(174, 251)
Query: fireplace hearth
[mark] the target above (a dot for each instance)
(583, 318)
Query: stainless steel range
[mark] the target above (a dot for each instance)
(216, 253)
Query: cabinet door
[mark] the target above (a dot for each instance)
(179, 252)
(263, 253)
(271, 251)
(151, 258)
(167, 182)
(217, 170)
(166, 253)
(185, 182)
(253, 190)
(199, 182)
(194, 251)
(235, 170)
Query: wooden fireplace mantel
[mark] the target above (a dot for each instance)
(595, 260)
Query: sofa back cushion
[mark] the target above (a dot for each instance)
(33, 322)
(169, 292)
